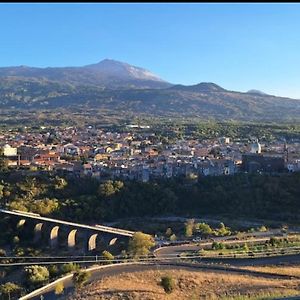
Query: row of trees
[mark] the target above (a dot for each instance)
(204, 229)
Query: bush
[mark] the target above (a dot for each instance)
(2, 252)
(168, 284)
(173, 238)
(107, 255)
(204, 229)
(217, 246)
(262, 229)
(69, 267)
(53, 271)
(59, 288)
(36, 275)
(9, 289)
(80, 278)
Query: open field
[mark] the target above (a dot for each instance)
(188, 285)
(291, 270)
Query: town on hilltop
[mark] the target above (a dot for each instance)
(140, 155)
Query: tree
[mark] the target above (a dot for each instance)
(189, 227)
(173, 237)
(44, 207)
(168, 284)
(168, 232)
(60, 183)
(36, 275)
(217, 246)
(204, 229)
(16, 240)
(140, 244)
(80, 278)
(8, 289)
(245, 248)
(110, 188)
(223, 230)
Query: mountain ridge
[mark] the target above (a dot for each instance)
(124, 88)
(107, 73)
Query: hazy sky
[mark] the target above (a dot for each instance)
(238, 46)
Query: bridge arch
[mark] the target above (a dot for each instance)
(72, 238)
(92, 242)
(21, 223)
(54, 236)
(112, 241)
(38, 231)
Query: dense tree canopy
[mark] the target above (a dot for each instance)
(88, 200)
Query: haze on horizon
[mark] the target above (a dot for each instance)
(237, 46)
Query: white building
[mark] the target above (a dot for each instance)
(9, 151)
(255, 147)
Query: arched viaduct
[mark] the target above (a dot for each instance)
(56, 233)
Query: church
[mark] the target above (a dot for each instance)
(257, 162)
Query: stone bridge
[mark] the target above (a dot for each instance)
(59, 233)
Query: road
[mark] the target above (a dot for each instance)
(206, 264)
(212, 264)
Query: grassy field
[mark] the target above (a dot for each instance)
(293, 270)
(188, 285)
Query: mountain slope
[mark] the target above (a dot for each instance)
(35, 94)
(122, 88)
(105, 74)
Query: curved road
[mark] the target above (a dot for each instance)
(212, 264)
(49, 294)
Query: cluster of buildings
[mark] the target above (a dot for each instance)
(138, 155)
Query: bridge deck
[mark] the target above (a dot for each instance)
(99, 228)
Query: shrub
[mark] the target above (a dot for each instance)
(80, 278)
(107, 255)
(69, 267)
(262, 229)
(173, 238)
(59, 288)
(168, 284)
(9, 289)
(53, 270)
(36, 275)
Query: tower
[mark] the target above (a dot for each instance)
(255, 147)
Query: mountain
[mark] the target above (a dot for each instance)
(105, 74)
(119, 87)
(257, 92)
(202, 87)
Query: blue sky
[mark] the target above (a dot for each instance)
(238, 46)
